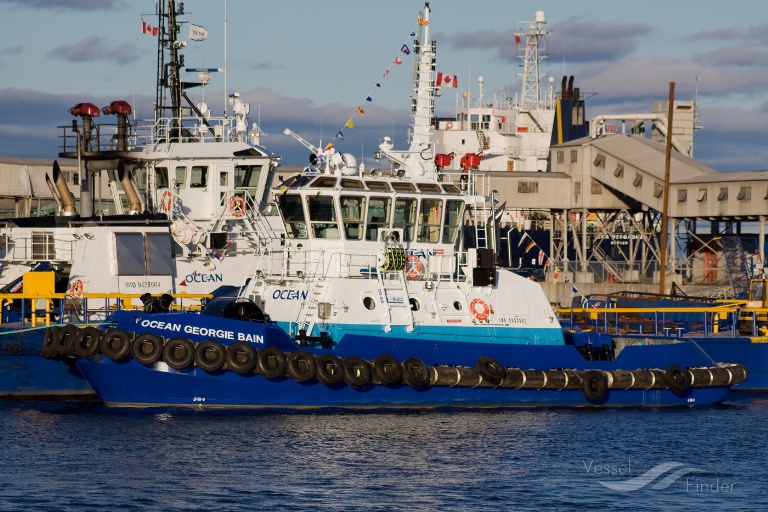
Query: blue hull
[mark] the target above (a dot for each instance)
(25, 374)
(132, 384)
(743, 351)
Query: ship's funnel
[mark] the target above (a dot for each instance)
(67, 198)
(134, 203)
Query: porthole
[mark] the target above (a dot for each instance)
(369, 303)
(415, 306)
(457, 305)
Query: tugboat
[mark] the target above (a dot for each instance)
(187, 187)
(369, 302)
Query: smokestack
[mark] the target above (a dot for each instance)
(67, 198)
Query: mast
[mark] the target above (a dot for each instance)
(418, 159)
(534, 54)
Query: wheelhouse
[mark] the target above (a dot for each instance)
(365, 210)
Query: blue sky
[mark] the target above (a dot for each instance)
(307, 64)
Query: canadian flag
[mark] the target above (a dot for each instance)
(447, 80)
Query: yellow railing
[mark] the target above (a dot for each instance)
(658, 321)
(88, 305)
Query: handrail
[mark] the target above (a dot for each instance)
(612, 319)
(77, 306)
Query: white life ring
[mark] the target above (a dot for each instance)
(413, 267)
(479, 309)
(237, 206)
(166, 201)
(76, 288)
(448, 125)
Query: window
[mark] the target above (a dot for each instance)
(429, 220)
(223, 179)
(619, 171)
(574, 156)
(528, 187)
(405, 217)
(131, 260)
(181, 177)
(658, 189)
(377, 217)
(161, 177)
(199, 177)
(638, 181)
(353, 184)
(322, 217)
(293, 216)
(682, 195)
(454, 211)
(560, 157)
(352, 209)
(577, 187)
(159, 253)
(745, 194)
(723, 195)
(377, 185)
(596, 188)
(599, 161)
(247, 176)
(702, 195)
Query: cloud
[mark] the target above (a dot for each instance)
(11, 52)
(266, 66)
(74, 5)
(94, 49)
(576, 40)
(573, 39)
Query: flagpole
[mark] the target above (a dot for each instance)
(225, 59)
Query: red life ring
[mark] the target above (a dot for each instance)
(413, 267)
(76, 289)
(479, 309)
(237, 206)
(166, 201)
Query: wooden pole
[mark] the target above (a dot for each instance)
(665, 208)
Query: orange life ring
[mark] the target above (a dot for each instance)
(448, 125)
(479, 309)
(413, 267)
(76, 289)
(166, 200)
(237, 206)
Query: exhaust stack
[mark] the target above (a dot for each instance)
(134, 202)
(67, 203)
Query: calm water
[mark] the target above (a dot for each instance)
(76, 456)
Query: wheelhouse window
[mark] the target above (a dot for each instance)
(199, 177)
(247, 176)
(181, 177)
(377, 217)
(293, 216)
(453, 214)
(139, 175)
(161, 177)
(405, 217)
(352, 211)
(429, 220)
(322, 217)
